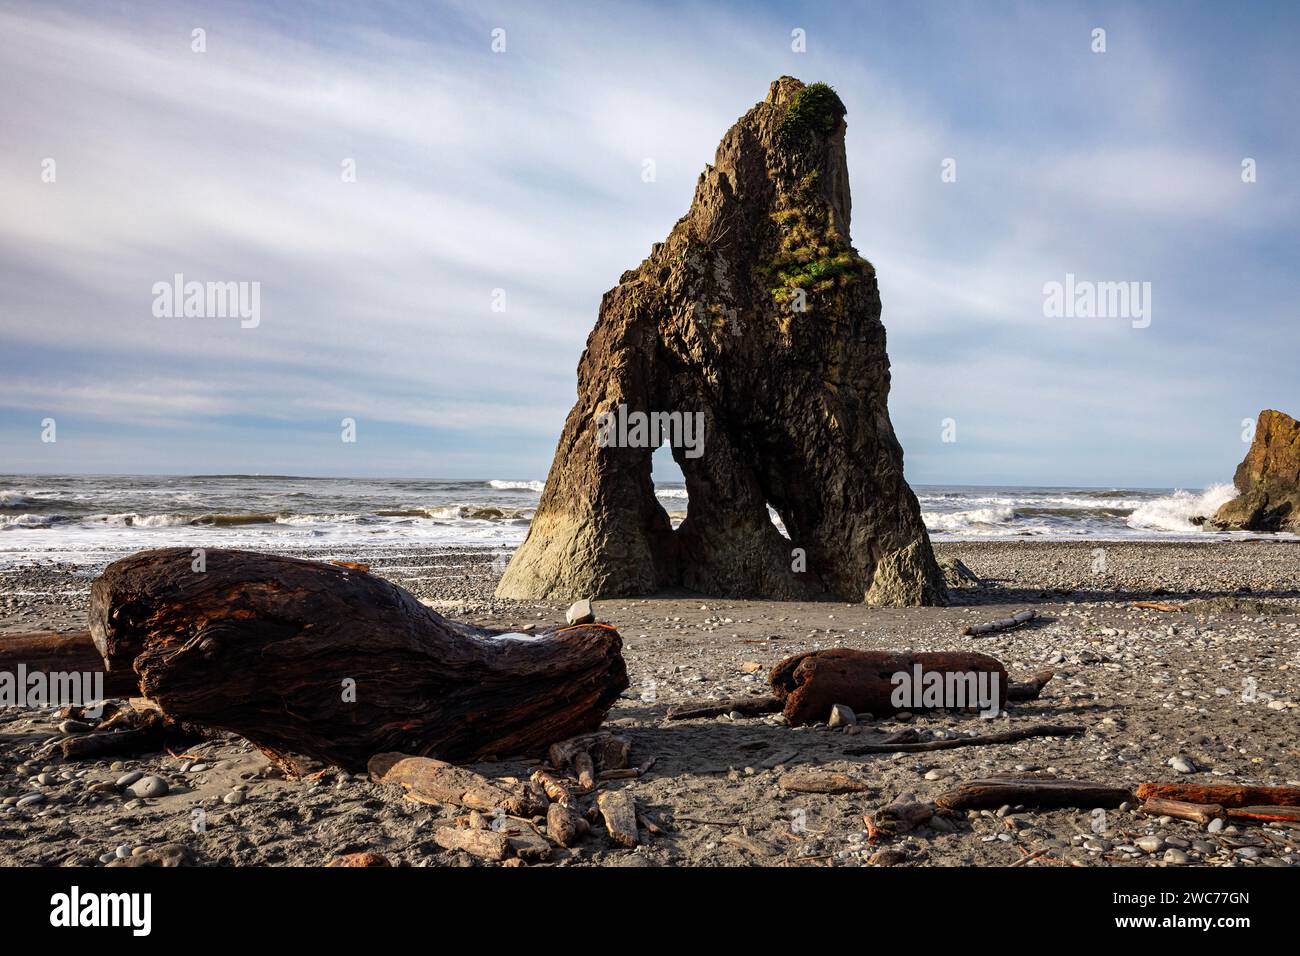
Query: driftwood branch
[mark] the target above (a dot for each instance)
(1001, 624)
(1032, 792)
(952, 743)
(745, 706)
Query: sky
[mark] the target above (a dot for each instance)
(441, 301)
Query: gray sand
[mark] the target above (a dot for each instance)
(1214, 684)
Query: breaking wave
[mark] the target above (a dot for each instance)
(971, 519)
(1175, 512)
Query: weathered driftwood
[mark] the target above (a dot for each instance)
(67, 652)
(1226, 795)
(1201, 813)
(604, 750)
(337, 664)
(810, 684)
(129, 730)
(820, 781)
(426, 780)
(952, 743)
(484, 844)
(1032, 792)
(745, 706)
(1029, 689)
(564, 826)
(1272, 814)
(553, 786)
(618, 809)
(1001, 624)
(897, 818)
(1164, 606)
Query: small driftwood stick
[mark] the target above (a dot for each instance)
(1201, 813)
(1030, 689)
(1225, 795)
(485, 844)
(897, 818)
(746, 706)
(619, 812)
(1001, 624)
(564, 826)
(820, 781)
(554, 787)
(951, 743)
(1032, 792)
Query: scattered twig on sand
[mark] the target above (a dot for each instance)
(705, 823)
(746, 706)
(951, 743)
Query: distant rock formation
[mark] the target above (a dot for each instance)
(751, 338)
(1268, 479)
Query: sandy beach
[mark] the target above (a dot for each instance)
(1213, 687)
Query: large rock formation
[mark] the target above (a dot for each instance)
(759, 323)
(1268, 479)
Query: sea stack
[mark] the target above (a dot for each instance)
(750, 339)
(1268, 479)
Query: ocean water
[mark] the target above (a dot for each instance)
(98, 518)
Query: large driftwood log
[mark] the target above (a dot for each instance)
(1224, 794)
(303, 658)
(1032, 792)
(810, 684)
(68, 652)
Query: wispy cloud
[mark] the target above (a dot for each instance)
(521, 172)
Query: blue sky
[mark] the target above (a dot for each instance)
(522, 171)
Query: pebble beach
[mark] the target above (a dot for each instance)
(1207, 692)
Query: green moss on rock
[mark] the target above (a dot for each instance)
(815, 109)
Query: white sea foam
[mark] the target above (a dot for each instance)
(133, 520)
(503, 485)
(11, 499)
(1174, 512)
(25, 521)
